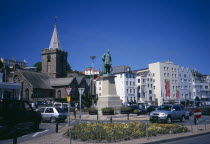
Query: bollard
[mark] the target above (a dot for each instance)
(191, 128)
(56, 129)
(128, 116)
(75, 114)
(205, 125)
(195, 121)
(147, 131)
(70, 135)
(111, 120)
(15, 137)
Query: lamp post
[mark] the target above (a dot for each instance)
(91, 84)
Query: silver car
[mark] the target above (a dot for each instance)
(168, 113)
(52, 114)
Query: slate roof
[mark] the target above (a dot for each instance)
(120, 69)
(61, 81)
(144, 73)
(37, 80)
(79, 79)
(88, 81)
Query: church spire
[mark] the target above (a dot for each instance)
(55, 42)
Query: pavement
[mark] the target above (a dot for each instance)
(57, 138)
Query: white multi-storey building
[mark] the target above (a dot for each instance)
(185, 85)
(125, 82)
(11, 63)
(165, 75)
(200, 87)
(145, 86)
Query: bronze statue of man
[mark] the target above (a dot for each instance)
(107, 63)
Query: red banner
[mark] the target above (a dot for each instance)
(177, 94)
(167, 87)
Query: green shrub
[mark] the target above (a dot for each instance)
(126, 109)
(93, 109)
(108, 109)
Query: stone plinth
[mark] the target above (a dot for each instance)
(109, 97)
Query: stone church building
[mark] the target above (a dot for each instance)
(50, 84)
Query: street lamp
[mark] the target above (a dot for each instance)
(92, 86)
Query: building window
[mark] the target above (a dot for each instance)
(27, 94)
(150, 91)
(130, 90)
(134, 91)
(130, 83)
(148, 85)
(143, 80)
(99, 88)
(126, 82)
(59, 93)
(147, 79)
(138, 80)
(165, 74)
(127, 90)
(151, 85)
(133, 83)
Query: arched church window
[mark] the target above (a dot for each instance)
(16, 79)
(59, 93)
(27, 94)
(48, 58)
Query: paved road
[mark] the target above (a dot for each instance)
(48, 128)
(45, 129)
(203, 139)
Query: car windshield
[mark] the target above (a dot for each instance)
(60, 110)
(58, 105)
(164, 107)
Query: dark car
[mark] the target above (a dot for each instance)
(137, 109)
(17, 115)
(151, 108)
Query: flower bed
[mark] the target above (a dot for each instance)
(118, 131)
(125, 110)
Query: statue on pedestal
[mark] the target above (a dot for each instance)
(107, 63)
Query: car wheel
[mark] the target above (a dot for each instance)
(53, 120)
(169, 120)
(182, 119)
(35, 126)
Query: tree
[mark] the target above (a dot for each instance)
(1, 65)
(39, 66)
(68, 68)
(87, 100)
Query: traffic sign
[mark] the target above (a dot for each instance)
(81, 90)
(68, 90)
(68, 98)
(197, 113)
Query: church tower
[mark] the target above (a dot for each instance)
(54, 59)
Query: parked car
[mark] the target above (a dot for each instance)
(137, 109)
(187, 114)
(168, 113)
(52, 114)
(17, 115)
(64, 106)
(151, 108)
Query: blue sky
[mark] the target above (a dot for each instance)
(137, 32)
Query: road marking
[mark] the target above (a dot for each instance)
(39, 133)
(24, 136)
